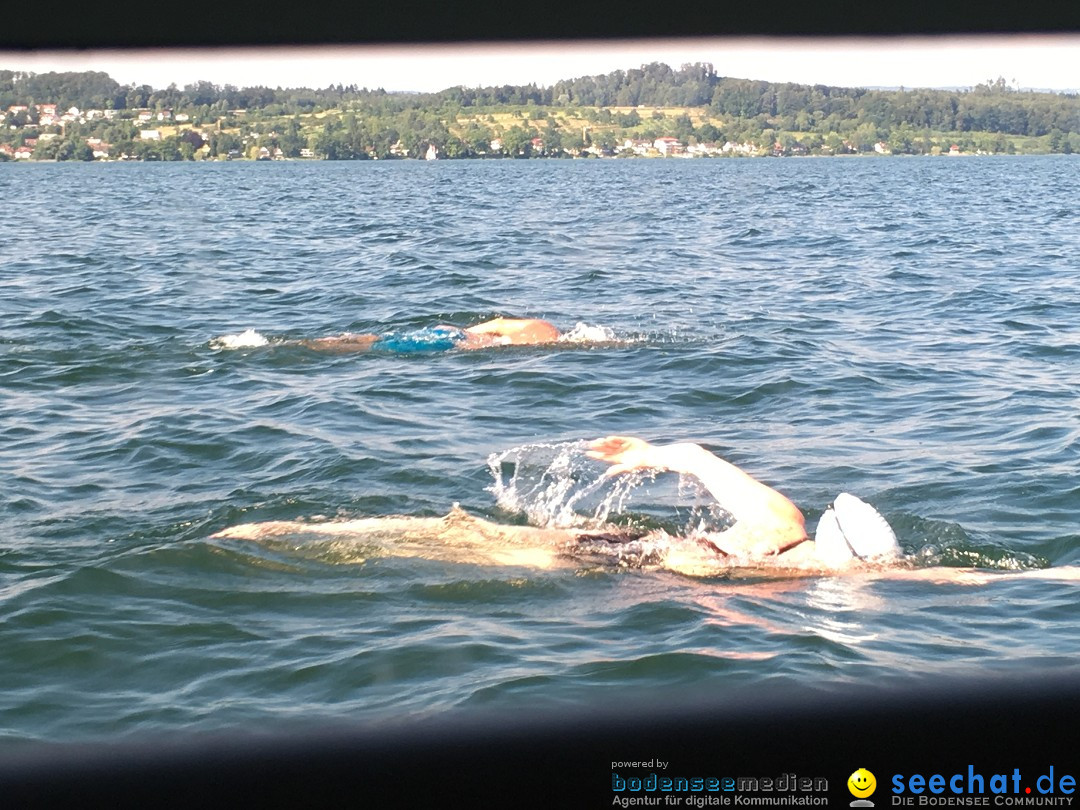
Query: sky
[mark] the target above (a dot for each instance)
(1025, 61)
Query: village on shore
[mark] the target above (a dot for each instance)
(154, 126)
(653, 111)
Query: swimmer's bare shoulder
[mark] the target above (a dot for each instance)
(511, 331)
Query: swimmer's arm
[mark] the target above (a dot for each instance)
(347, 342)
(747, 499)
(496, 326)
(724, 480)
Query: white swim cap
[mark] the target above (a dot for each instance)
(853, 529)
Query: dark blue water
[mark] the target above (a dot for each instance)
(904, 329)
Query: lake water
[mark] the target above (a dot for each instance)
(904, 329)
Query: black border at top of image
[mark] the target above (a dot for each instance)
(131, 24)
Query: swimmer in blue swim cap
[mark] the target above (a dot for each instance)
(496, 332)
(767, 524)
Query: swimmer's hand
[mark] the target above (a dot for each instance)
(625, 454)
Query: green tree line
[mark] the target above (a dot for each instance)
(350, 122)
(990, 107)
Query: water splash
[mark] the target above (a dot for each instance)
(247, 339)
(587, 333)
(550, 482)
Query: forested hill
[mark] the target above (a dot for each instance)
(990, 107)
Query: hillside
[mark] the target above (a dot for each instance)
(654, 110)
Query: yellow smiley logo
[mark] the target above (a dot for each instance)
(861, 783)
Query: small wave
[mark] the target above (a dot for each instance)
(247, 339)
(998, 559)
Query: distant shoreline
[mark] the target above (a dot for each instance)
(858, 156)
(651, 111)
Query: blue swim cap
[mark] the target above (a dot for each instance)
(428, 339)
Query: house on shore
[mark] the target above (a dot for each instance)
(744, 148)
(669, 146)
(703, 150)
(99, 148)
(637, 146)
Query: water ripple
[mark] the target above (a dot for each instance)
(903, 329)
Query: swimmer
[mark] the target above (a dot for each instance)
(769, 532)
(766, 522)
(768, 535)
(462, 538)
(496, 332)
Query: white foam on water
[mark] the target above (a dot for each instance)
(587, 333)
(247, 339)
